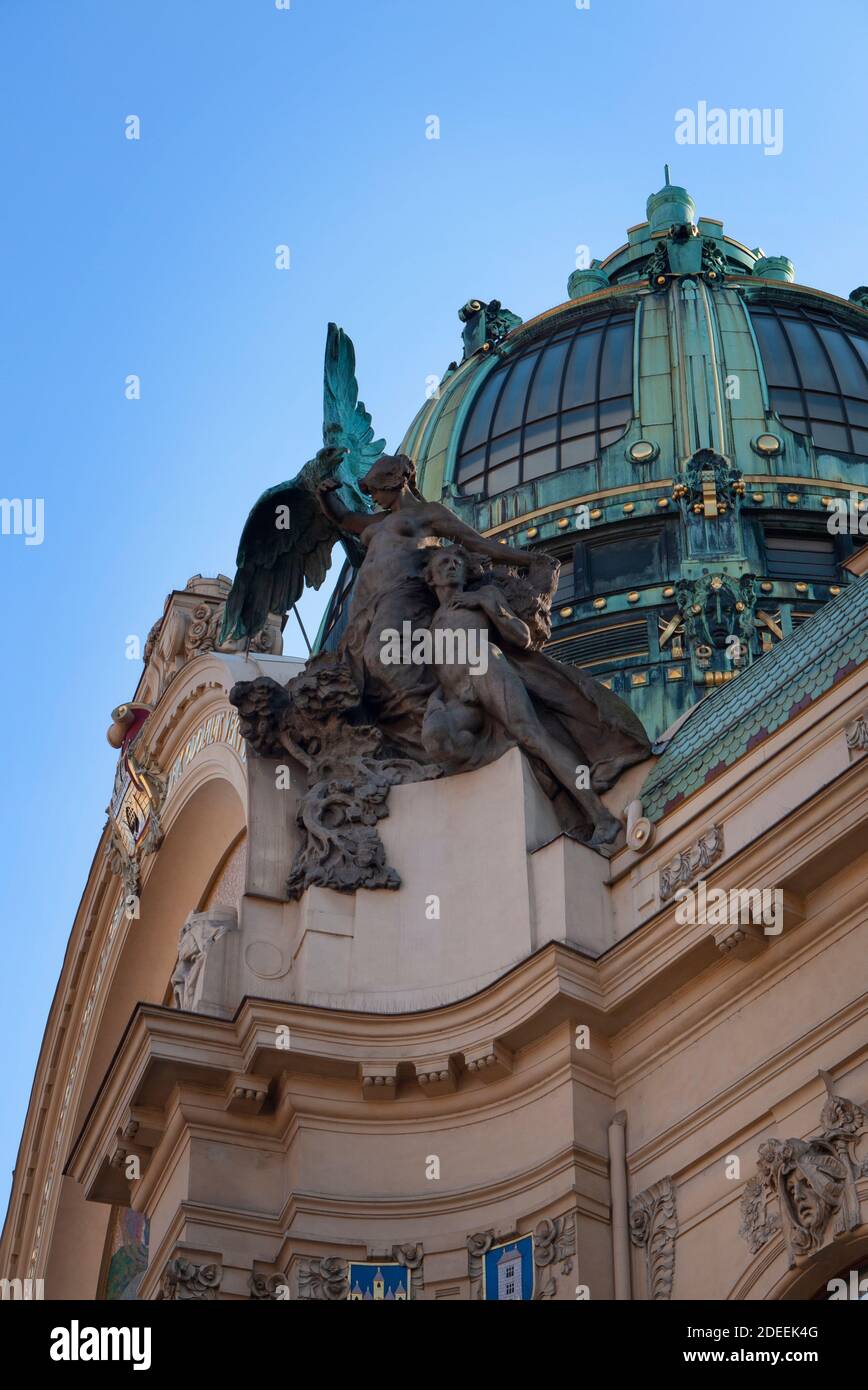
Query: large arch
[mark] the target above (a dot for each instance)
(113, 962)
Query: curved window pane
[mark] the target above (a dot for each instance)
(813, 365)
(581, 380)
(510, 408)
(553, 407)
(477, 427)
(617, 375)
(777, 359)
(852, 377)
(546, 387)
(506, 447)
(817, 374)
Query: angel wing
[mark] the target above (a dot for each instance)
(346, 422)
(287, 540)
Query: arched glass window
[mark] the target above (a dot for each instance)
(817, 374)
(553, 406)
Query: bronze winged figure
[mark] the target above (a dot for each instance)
(288, 538)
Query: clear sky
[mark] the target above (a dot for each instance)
(307, 127)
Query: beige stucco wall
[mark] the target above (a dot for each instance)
(706, 1052)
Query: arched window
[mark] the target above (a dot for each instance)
(553, 406)
(817, 374)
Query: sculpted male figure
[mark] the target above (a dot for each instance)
(390, 590)
(477, 705)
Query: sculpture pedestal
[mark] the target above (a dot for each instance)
(487, 878)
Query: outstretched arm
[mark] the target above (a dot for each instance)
(444, 523)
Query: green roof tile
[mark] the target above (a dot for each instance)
(737, 717)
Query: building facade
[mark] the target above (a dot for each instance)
(528, 1071)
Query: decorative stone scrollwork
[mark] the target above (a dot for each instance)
(323, 1280)
(554, 1242)
(806, 1188)
(856, 735)
(478, 1246)
(408, 1257)
(185, 1281)
(190, 626)
(653, 1227)
(690, 862)
(268, 1287)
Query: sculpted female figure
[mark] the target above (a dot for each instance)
(390, 589)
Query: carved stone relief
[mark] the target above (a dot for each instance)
(267, 1287)
(198, 935)
(856, 735)
(554, 1248)
(806, 1188)
(190, 626)
(323, 1279)
(689, 863)
(554, 1244)
(183, 1280)
(653, 1228)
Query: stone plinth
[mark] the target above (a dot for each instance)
(486, 879)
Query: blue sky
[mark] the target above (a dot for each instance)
(306, 127)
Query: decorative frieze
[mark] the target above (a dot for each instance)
(689, 863)
(653, 1228)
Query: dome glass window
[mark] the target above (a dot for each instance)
(551, 407)
(817, 374)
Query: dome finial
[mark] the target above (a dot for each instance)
(672, 206)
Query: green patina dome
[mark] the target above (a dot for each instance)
(678, 433)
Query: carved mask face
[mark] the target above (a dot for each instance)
(804, 1200)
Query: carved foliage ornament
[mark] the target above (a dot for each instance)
(349, 771)
(269, 1288)
(323, 1279)
(184, 1280)
(691, 862)
(653, 1228)
(191, 626)
(856, 734)
(806, 1188)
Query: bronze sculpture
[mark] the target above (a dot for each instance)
(422, 570)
